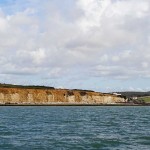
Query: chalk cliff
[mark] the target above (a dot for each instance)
(54, 96)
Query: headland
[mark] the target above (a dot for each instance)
(19, 95)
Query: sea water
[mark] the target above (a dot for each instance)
(74, 128)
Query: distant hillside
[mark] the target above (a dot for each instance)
(134, 94)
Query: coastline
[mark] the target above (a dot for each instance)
(46, 97)
(19, 95)
(124, 104)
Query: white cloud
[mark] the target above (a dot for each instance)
(38, 56)
(93, 11)
(98, 38)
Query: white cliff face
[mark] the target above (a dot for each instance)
(42, 96)
(108, 100)
(30, 99)
(84, 99)
(2, 98)
(50, 98)
(71, 99)
(97, 99)
(15, 97)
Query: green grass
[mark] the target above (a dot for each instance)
(146, 99)
(25, 86)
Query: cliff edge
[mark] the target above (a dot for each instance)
(37, 95)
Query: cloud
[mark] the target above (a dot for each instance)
(119, 32)
(93, 38)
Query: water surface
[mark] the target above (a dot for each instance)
(74, 128)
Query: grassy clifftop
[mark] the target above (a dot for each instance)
(38, 87)
(146, 99)
(25, 86)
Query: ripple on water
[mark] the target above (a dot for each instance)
(74, 128)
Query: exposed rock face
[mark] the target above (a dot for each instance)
(55, 96)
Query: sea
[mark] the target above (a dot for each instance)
(74, 128)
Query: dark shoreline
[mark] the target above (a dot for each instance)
(75, 104)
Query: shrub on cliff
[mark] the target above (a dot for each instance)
(70, 93)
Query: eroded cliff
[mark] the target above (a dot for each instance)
(55, 96)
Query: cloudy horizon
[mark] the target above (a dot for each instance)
(101, 45)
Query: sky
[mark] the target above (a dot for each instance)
(101, 45)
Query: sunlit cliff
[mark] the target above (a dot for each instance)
(48, 96)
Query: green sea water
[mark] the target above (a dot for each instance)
(74, 128)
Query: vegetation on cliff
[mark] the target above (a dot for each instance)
(145, 99)
(137, 97)
(134, 94)
(25, 86)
